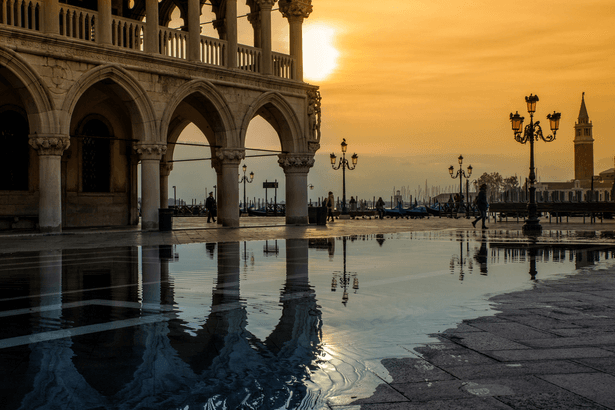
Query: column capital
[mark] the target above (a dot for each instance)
(230, 154)
(295, 8)
(149, 151)
(49, 144)
(266, 4)
(165, 169)
(296, 162)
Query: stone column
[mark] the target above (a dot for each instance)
(194, 30)
(165, 170)
(151, 28)
(265, 14)
(52, 16)
(296, 168)
(231, 33)
(50, 149)
(150, 155)
(296, 11)
(227, 167)
(104, 20)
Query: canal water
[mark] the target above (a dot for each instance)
(286, 324)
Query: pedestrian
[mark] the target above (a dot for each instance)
(210, 205)
(353, 203)
(330, 206)
(483, 205)
(380, 207)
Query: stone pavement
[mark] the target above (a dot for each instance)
(552, 347)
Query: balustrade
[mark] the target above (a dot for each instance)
(21, 13)
(127, 33)
(248, 58)
(81, 24)
(173, 43)
(78, 23)
(213, 51)
(283, 66)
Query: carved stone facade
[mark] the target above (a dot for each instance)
(83, 109)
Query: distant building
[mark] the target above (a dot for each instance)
(584, 180)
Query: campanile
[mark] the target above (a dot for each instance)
(583, 145)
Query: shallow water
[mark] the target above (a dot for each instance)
(263, 324)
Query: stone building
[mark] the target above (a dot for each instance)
(92, 88)
(584, 182)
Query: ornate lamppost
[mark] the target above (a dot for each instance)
(461, 174)
(344, 164)
(245, 180)
(532, 132)
(344, 278)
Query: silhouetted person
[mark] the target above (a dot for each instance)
(330, 205)
(483, 205)
(380, 207)
(210, 205)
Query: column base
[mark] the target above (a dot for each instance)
(50, 229)
(344, 216)
(297, 220)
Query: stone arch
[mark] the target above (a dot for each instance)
(35, 96)
(221, 121)
(128, 89)
(277, 112)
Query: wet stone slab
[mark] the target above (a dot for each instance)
(597, 387)
(517, 369)
(546, 354)
(409, 370)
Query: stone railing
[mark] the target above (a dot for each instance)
(173, 43)
(127, 33)
(78, 23)
(21, 13)
(248, 58)
(283, 66)
(84, 25)
(213, 51)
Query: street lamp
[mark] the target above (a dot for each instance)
(344, 164)
(344, 278)
(461, 174)
(532, 132)
(174, 195)
(245, 180)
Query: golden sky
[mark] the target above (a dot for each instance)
(419, 82)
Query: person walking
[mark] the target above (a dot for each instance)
(330, 206)
(380, 207)
(483, 205)
(210, 205)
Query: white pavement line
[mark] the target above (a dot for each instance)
(78, 331)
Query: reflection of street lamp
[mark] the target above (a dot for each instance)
(245, 180)
(459, 260)
(344, 164)
(311, 188)
(344, 278)
(532, 132)
(461, 174)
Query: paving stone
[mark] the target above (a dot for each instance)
(547, 354)
(428, 391)
(518, 369)
(604, 364)
(408, 370)
(485, 341)
(454, 357)
(475, 403)
(597, 387)
(598, 340)
(513, 331)
(549, 400)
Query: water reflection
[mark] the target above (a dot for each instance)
(95, 335)
(226, 326)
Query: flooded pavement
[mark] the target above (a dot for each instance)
(346, 322)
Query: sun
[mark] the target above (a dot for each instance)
(319, 54)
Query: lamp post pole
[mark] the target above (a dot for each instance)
(174, 195)
(532, 132)
(245, 180)
(343, 163)
(461, 174)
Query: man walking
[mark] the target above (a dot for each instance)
(483, 205)
(210, 205)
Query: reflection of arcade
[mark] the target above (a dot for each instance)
(344, 278)
(141, 355)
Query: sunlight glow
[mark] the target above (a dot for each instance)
(319, 54)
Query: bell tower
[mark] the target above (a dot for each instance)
(583, 145)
